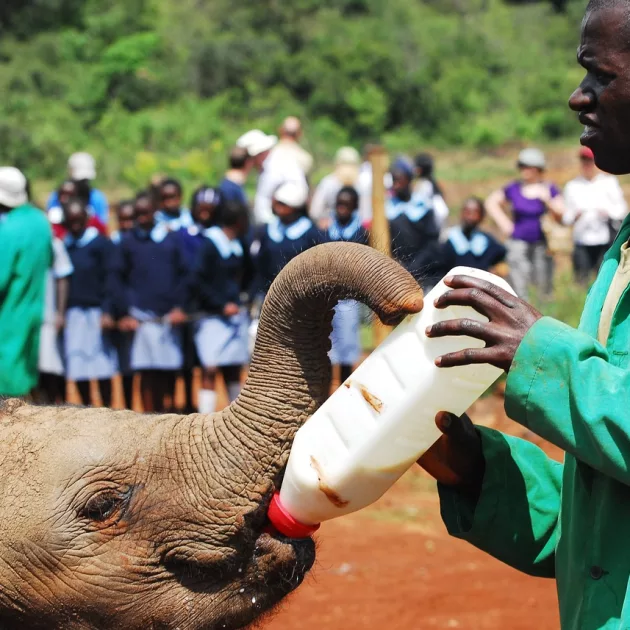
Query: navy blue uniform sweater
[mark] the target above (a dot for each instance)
(92, 283)
(478, 250)
(217, 280)
(150, 276)
(278, 245)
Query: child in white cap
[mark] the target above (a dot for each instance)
(82, 171)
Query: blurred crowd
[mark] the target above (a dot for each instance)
(162, 287)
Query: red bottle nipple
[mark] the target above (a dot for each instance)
(285, 523)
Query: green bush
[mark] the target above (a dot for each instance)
(170, 84)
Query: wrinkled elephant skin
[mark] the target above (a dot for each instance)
(112, 519)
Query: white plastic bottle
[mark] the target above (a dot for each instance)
(381, 420)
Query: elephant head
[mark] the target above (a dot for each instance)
(113, 519)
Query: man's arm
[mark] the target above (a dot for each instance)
(561, 383)
(513, 513)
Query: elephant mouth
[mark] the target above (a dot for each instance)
(262, 569)
(277, 567)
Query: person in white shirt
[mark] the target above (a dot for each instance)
(288, 147)
(594, 201)
(274, 170)
(346, 173)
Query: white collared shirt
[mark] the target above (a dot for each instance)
(276, 171)
(589, 197)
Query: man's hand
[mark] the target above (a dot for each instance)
(456, 459)
(107, 322)
(128, 324)
(510, 320)
(231, 309)
(177, 317)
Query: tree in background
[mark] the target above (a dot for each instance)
(169, 84)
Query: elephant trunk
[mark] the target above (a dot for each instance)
(290, 370)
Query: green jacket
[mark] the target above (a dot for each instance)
(568, 521)
(25, 257)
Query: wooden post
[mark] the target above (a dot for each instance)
(379, 233)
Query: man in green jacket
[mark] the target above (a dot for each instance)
(25, 257)
(504, 495)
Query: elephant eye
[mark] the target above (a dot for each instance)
(105, 505)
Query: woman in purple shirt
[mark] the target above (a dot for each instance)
(527, 200)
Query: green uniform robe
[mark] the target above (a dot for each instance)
(25, 257)
(570, 521)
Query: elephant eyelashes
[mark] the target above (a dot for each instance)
(105, 506)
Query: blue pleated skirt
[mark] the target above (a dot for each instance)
(156, 344)
(89, 350)
(345, 338)
(223, 341)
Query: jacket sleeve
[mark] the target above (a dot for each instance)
(205, 295)
(262, 264)
(516, 517)
(182, 273)
(118, 277)
(563, 387)
(9, 254)
(107, 264)
(499, 252)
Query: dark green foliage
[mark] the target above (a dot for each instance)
(169, 84)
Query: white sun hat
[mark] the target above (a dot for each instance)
(249, 138)
(12, 187)
(262, 144)
(81, 166)
(347, 165)
(532, 158)
(292, 194)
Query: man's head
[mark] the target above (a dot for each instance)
(239, 159)
(144, 211)
(259, 149)
(75, 217)
(125, 214)
(289, 200)
(204, 206)
(234, 216)
(13, 188)
(82, 167)
(402, 175)
(291, 129)
(171, 196)
(473, 212)
(531, 165)
(602, 100)
(346, 204)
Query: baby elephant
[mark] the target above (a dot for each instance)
(111, 519)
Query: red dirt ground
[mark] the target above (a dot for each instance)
(394, 567)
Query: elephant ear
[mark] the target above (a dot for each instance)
(290, 370)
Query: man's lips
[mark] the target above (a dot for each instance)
(588, 120)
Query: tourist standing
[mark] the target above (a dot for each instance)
(25, 257)
(289, 149)
(594, 200)
(346, 173)
(518, 210)
(82, 171)
(232, 186)
(274, 171)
